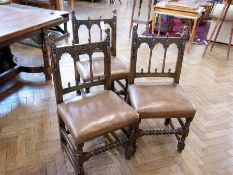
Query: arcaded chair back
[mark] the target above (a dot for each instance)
(75, 51)
(152, 42)
(101, 23)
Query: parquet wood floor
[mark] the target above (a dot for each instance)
(29, 140)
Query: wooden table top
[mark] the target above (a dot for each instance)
(204, 3)
(37, 9)
(15, 21)
(179, 12)
(162, 4)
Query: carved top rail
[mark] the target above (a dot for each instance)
(75, 51)
(152, 42)
(112, 22)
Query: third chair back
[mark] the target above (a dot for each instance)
(89, 23)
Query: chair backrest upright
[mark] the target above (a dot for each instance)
(152, 42)
(112, 22)
(75, 51)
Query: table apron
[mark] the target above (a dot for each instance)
(179, 14)
(19, 38)
(27, 35)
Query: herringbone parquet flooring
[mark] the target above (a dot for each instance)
(29, 139)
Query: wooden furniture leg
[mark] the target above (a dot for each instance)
(45, 50)
(153, 20)
(217, 25)
(181, 141)
(140, 6)
(131, 22)
(220, 26)
(148, 17)
(153, 23)
(192, 36)
(6, 59)
(160, 22)
(114, 2)
(139, 21)
(230, 39)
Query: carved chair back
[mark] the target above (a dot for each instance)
(75, 51)
(89, 23)
(152, 42)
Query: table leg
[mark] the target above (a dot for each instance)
(153, 23)
(45, 50)
(6, 59)
(160, 22)
(217, 25)
(65, 23)
(222, 18)
(65, 28)
(148, 17)
(230, 40)
(192, 36)
(8, 68)
(132, 16)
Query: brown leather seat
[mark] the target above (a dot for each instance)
(96, 114)
(160, 100)
(117, 68)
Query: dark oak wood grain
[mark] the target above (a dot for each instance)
(22, 22)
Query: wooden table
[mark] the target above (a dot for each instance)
(62, 31)
(18, 23)
(208, 6)
(161, 9)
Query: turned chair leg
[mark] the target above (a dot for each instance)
(167, 121)
(148, 17)
(125, 90)
(87, 90)
(61, 125)
(135, 136)
(131, 145)
(132, 16)
(229, 43)
(77, 159)
(80, 159)
(113, 86)
(181, 142)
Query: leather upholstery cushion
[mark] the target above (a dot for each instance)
(160, 100)
(117, 68)
(96, 114)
